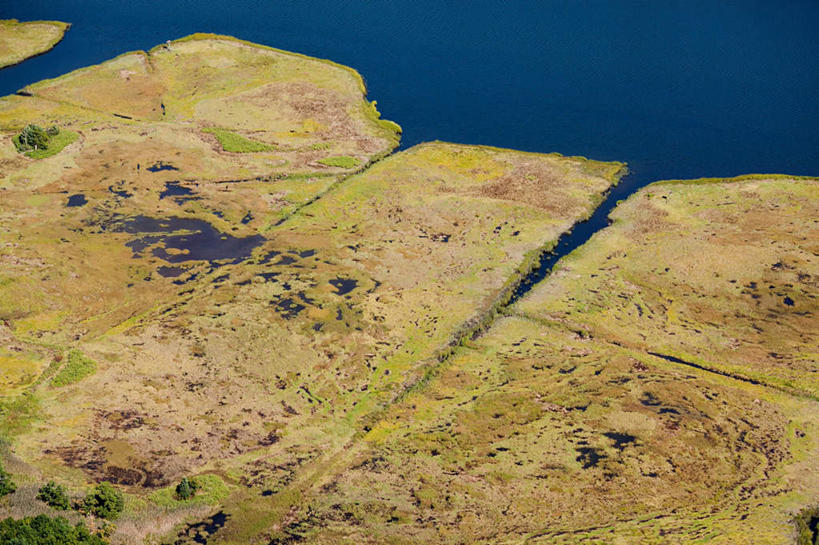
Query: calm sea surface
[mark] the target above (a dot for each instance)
(678, 89)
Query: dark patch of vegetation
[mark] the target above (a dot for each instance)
(34, 137)
(201, 531)
(621, 440)
(589, 456)
(807, 527)
(186, 488)
(104, 501)
(38, 143)
(43, 530)
(7, 485)
(54, 495)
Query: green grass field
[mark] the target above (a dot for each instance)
(236, 143)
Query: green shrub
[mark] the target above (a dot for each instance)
(43, 530)
(76, 368)
(104, 501)
(210, 490)
(55, 145)
(7, 485)
(806, 527)
(32, 137)
(342, 161)
(54, 495)
(186, 488)
(39, 143)
(236, 143)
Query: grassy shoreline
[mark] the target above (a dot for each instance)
(20, 52)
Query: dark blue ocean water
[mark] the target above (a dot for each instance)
(676, 88)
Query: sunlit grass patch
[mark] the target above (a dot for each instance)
(236, 143)
(18, 370)
(212, 490)
(340, 161)
(16, 415)
(55, 144)
(76, 368)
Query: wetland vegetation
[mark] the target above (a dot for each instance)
(280, 331)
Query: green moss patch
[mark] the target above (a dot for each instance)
(55, 145)
(236, 143)
(76, 368)
(211, 491)
(340, 161)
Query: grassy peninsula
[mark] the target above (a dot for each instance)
(22, 40)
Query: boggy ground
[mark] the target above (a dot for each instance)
(22, 40)
(248, 314)
(720, 273)
(559, 425)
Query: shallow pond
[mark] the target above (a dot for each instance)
(185, 239)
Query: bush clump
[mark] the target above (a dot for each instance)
(43, 530)
(54, 495)
(7, 485)
(186, 488)
(104, 501)
(807, 527)
(39, 143)
(33, 137)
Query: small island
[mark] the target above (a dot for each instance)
(22, 40)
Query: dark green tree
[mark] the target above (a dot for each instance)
(104, 501)
(186, 488)
(54, 495)
(7, 485)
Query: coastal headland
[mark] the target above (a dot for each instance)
(22, 40)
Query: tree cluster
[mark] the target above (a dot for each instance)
(43, 530)
(34, 137)
(104, 501)
(54, 495)
(186, 488)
